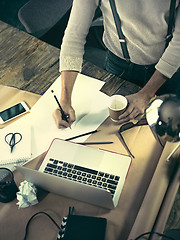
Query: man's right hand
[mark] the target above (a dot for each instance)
(68, 79)
(69, 111)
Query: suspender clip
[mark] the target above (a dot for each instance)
(128, 60)
(169, 36)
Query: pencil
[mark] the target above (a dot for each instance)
(81, 135)
(125, 145)
(64, 116)
(91, 143)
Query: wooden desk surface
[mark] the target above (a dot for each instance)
(29, 64)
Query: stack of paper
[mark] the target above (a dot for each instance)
(21, 151)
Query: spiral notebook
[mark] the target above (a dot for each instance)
(22, 149)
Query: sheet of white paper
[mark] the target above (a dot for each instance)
(91, 107)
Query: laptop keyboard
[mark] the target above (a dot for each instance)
(83, 175)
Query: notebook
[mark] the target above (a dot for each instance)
(21, 151)
(80, 172)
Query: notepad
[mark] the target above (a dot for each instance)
(21, 151)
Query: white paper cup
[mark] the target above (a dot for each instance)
(117, 106)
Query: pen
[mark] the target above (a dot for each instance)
(64, 116)
(125, 145)
(91, 143)
(81, 135)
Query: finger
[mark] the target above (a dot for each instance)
(124, 120)
(129, 117)
(72, 116)
(58, 120)
(125, 115)
(63, 124)
(63, 121)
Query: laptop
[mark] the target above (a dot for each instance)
(80, 172)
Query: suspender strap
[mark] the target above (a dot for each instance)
(121, 36)
(171, 21)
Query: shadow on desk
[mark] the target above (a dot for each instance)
(173, 233)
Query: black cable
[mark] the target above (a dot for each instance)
(71, 210)
(26, 231)
(150, 233)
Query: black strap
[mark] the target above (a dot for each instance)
(121, 36)
(171, 21)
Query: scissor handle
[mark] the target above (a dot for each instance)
(12, 141)
(6, 138)
(19, 138)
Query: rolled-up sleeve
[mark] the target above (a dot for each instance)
(72, 48)
(170, 60)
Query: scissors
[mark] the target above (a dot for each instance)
(12, 139)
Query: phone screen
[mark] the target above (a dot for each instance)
(12, 112)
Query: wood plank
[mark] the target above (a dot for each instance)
(91, 70)
(112, 83)
(127, 88)
(2, 27)
(26, 62)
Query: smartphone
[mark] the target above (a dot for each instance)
(13, 112)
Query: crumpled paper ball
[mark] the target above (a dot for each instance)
(27, 195)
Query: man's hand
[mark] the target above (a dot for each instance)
(68, 79)
(137, 104)
(69, 111)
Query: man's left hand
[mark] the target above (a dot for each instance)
(137, 103)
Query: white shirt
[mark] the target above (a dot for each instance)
(144, 24)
